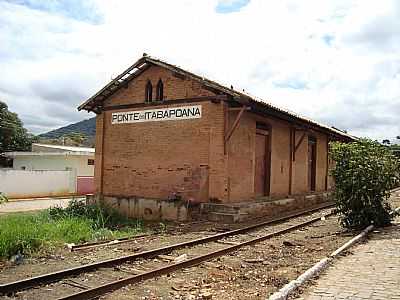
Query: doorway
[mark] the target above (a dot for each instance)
(312, 163)
(262, 161)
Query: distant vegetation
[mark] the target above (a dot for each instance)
(70, 139)
(86, 127)
(78, 134)
(14, 137)
(27, 233)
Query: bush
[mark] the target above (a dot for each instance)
(364, 173)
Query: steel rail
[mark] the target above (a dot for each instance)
(110, 242)
(109, 287)
(12, 287)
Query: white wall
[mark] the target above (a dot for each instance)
(28, 184)
(58, 162)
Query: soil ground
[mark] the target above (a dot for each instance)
(252, 272)
(24, 205)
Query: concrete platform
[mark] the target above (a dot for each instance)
(145, 208)
(371, 271)
(265, 207)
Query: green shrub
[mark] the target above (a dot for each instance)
(364, 173)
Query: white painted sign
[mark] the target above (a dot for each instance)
(159, 114)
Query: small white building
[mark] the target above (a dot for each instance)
(76, 163)
(55, 157)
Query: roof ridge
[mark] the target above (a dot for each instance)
(259, 99)
(214, 84)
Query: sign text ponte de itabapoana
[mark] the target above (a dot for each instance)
(159, 114)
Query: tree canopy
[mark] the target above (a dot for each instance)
(13, 135)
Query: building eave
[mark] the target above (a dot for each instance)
(41, 154)
(95, 103)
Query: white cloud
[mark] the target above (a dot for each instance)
(335, 61)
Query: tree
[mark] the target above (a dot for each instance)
(74, 138)
(78, 139)
(13, 136)
(364, 173)
(386, 142)
(395, 148)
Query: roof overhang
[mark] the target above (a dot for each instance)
(42, 154)
(259, 106)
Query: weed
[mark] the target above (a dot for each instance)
(100, 215)
(162, 227)
(27, 233)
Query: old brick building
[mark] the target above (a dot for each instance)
(165, 133)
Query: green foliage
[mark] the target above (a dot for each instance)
(28, 233)
(364, 173)
(76, 139)
(13, 136)
(395, 149)
(86, 127)
(100, 215)
(162, 227)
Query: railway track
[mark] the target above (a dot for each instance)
(96, 279)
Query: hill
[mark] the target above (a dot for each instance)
(86, 127)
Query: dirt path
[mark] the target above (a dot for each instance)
(26, 205)
(249, 273)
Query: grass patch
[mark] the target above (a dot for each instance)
(27, 233)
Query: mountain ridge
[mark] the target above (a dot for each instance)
(86, 127)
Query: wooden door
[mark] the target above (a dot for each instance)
(312, 163)
(261, 175)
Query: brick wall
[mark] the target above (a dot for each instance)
(174, 88)
(241, 156)
(321, 162)
(280, 152)
(300, 165)
(157, 159)
(98, 158)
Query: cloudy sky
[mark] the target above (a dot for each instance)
(335, 61)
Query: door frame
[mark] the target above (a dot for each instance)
(312, 185)
(261, 128)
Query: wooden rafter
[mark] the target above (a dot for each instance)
(291, 144)
(143, 104)
(296, 147)
(235, 124)
(237, 108)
